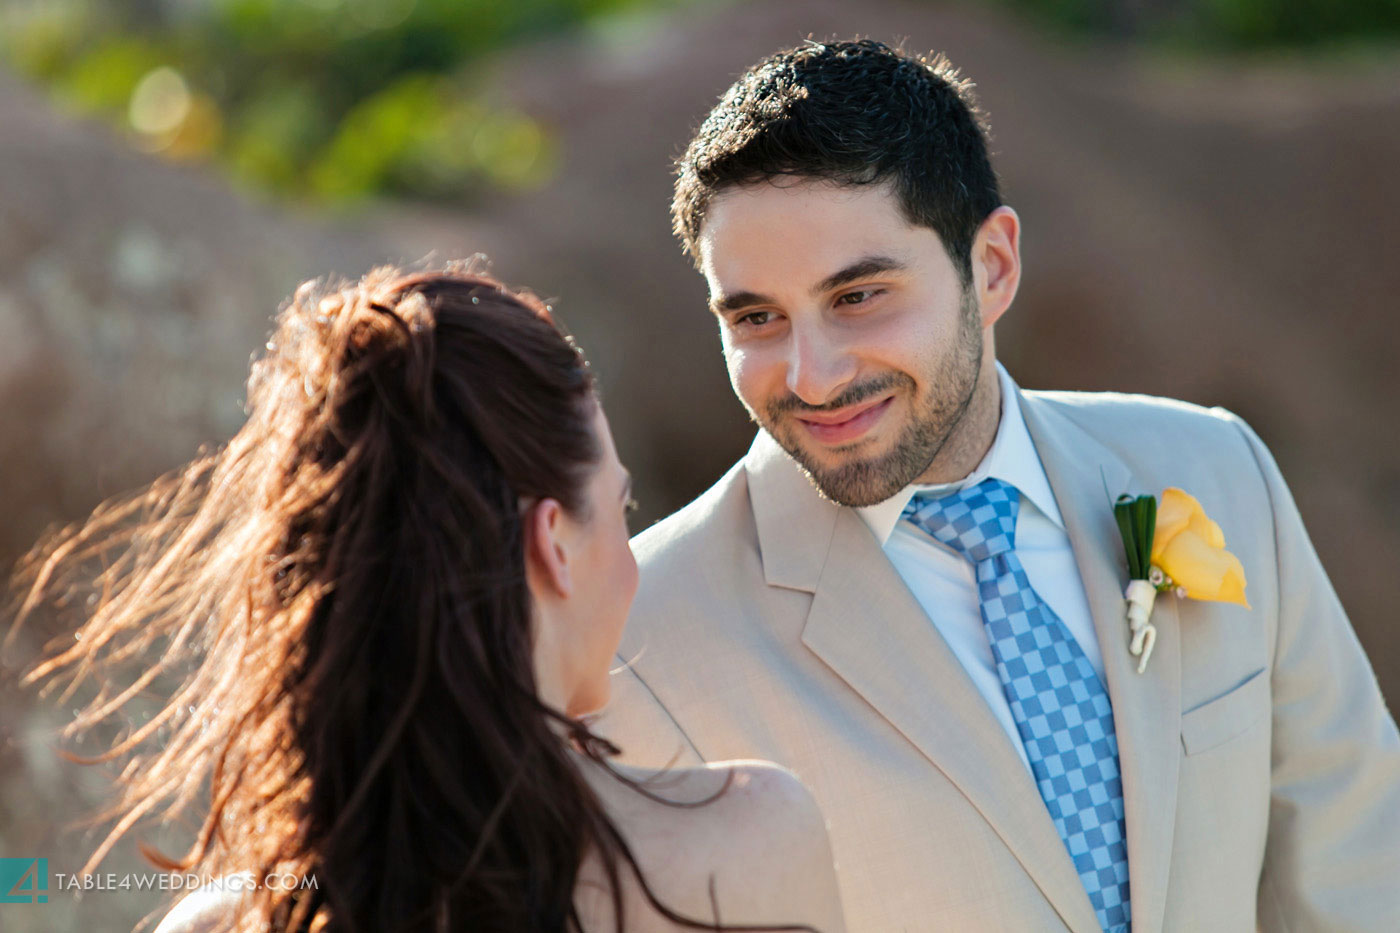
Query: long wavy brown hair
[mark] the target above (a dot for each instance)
(339, 595)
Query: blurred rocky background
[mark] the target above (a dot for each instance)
(1208, 188)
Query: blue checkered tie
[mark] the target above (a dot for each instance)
(1061, 708)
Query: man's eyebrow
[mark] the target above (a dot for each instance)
(738, 300)
(862, 268)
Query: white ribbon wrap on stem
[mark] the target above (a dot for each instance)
(1141, 595)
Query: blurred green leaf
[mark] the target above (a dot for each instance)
(278, 129)
(1224, 24)
(336, 100)
(375, 137)
(41, 39)
(102, 79)
(514, 151)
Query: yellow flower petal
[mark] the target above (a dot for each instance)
(1232, 588)
(1190, 548)
(1194, 565)
(1208, 530)
(1173, 516)
(1205, 572)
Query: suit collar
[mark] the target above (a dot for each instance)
(794, 521)
(866, 625)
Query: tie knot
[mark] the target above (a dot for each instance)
(977, 521)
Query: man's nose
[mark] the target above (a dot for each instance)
(819, 366)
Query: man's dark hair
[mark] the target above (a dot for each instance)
(856, 113)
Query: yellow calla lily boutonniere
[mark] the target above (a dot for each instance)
(1190, 549)
(1174, 546)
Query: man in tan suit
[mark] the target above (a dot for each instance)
(841, 205)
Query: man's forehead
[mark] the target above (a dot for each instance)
(808, 263)
(738, 208)
(800, 231)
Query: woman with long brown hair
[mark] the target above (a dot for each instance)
(389, 604)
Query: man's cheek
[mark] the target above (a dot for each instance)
(745, 376)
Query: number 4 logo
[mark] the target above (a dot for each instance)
(24, 881)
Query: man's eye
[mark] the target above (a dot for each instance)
(856, 298)
(630, 506)
(755, 319)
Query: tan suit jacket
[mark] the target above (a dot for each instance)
(1261, 770)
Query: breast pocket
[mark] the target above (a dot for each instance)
(1226, 717)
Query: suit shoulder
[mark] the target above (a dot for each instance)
(1128, 415)
(1169, 442)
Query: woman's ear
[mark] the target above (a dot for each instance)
(546, 556)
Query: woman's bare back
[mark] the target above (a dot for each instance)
(757, 853)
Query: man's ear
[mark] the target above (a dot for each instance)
(546, 556)
(996, 263)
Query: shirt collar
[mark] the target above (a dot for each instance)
(1011, 458)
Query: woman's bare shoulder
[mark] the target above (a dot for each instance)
(210, 909)
(746, 837)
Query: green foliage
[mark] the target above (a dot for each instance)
(1255, 23)
(1224, 24)
(334, 100)
(338, 100)
(103, 77)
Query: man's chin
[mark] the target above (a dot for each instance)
(852, 479)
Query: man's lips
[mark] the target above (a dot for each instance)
(845, 424)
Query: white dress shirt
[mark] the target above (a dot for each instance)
(942, 579)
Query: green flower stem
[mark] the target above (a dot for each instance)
(1137, 522)
(1123, 513)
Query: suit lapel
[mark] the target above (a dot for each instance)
(868, 628)
(1147, 706)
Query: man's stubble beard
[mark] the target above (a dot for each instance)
(870, 481)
